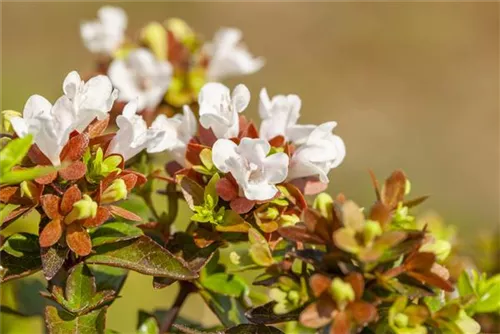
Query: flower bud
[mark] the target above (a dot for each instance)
(441, 248)
(115, 192)
(371, 230)
(25, 190)
(341, 291)
(234, 258)
(401, 320)
(82, 209)
(324, 204)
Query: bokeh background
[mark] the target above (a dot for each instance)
(411, 85)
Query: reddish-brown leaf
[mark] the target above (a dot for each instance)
(97, 127)
(299, 233)
(75, 171)
(141, 178)
(37, 157)
(420, 261)
(341, 324)
(130, 180)
(9, 194)
(50, 205)
(206, 136)
(393, 190)
(78, 239)
(415, 201)
(297, 195)
(173, 167)
(432, 279)
(357, 282)
(102, 140)
(51, 233)
(310, 317)
(363, 312)
(381, 213)
(121, 212)
(309, 185)
(319, 284)
(71, 195)
(47, 179)
(277, 141)
(241, 205)
(101, 216)
(248, 129)
(193, 153)
(315, 223)
(75, 147)
(226, 189)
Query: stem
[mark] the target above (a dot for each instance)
(173, 207)
(185, 289)
(149, 202)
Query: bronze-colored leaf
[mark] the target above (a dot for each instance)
(75, 147)
(420, 261)
(10, 194)
(357, 282)
(97, 127)
(102, 140)
(316, 223)
(37, 157)
(393, 190)
(432, 279)
(101, 216)
(75, 171)
(309, 185)
(299, 233)
(193, 153)
(78, 239)
(123, 213)
(297, 196)
(352, 216)
(341, 324)
(50, 205)
(310, 316)
(72, 195)
(415, 201)
(51, 233)
(130, 181)
(47, 179)
(345, 239)
(241, 205)
(206, 136)
(380, 213)
(319, 284)
(226, 189)
(277, 141)
(192, 191)
(363, 312)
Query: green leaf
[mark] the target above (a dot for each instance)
(21, 243)
(210, 195)
(113, 232)
(144, 256)
(225, 284)
(138, 206)
(14, 152)
(80, 286)
(13, 267)
(108, 278)
(147, 324)
(20, 175)
(228, 310)
(464, 285)
(252, 329)
(53, 258)
(264, 314)
(489, 300)
(62, 322)
(206, 158)
(259, 249)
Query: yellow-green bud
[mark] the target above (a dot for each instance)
(407, 187)
(25, 190)
(401, 320)
(341, 291)
(293, 296)
(271, 213)
(234, 258)
(115, 192)
(82, 209)
(441, 248)
(324, 204)
(7, 115)
(371, 230)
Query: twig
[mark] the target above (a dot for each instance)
(185, 289)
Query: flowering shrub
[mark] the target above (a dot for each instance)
(256, 195)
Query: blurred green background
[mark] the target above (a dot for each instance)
(411, 85)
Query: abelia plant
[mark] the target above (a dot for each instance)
(256, 193)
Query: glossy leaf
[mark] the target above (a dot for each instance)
(12, 153)
(52, 259)
(21, 244)
(225, 284)
(144, 256)
(13, 267)
(265, 315)
(252, 329)
(228, 310)
(62, 322)
(113, 232)
(80, 286)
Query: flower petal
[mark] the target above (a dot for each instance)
(240, 97)
(222, 150)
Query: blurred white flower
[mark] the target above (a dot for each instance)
(255, 172)
(140, 75)
(219, 108)
(37, 120)
(51, 125)
(228, 57)
(320, 152)
(107, 33)
(177, 131)
(133, 134)
(279, 115)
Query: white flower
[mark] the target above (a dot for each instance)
(141, 76)
(133, 134)
(177, 131)
(84, 101)
(320, 152)
(255, 172)
(228, 57)
(279, 115)
(37, 120)
(219, 109)
(105, 34)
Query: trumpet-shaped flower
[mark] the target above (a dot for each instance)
(140, 75)
(279, 114)
(255, 172)
(133, 135)
(228, 57)
(321, 151)
(177, 131)
(105, 34)
(219, 108)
